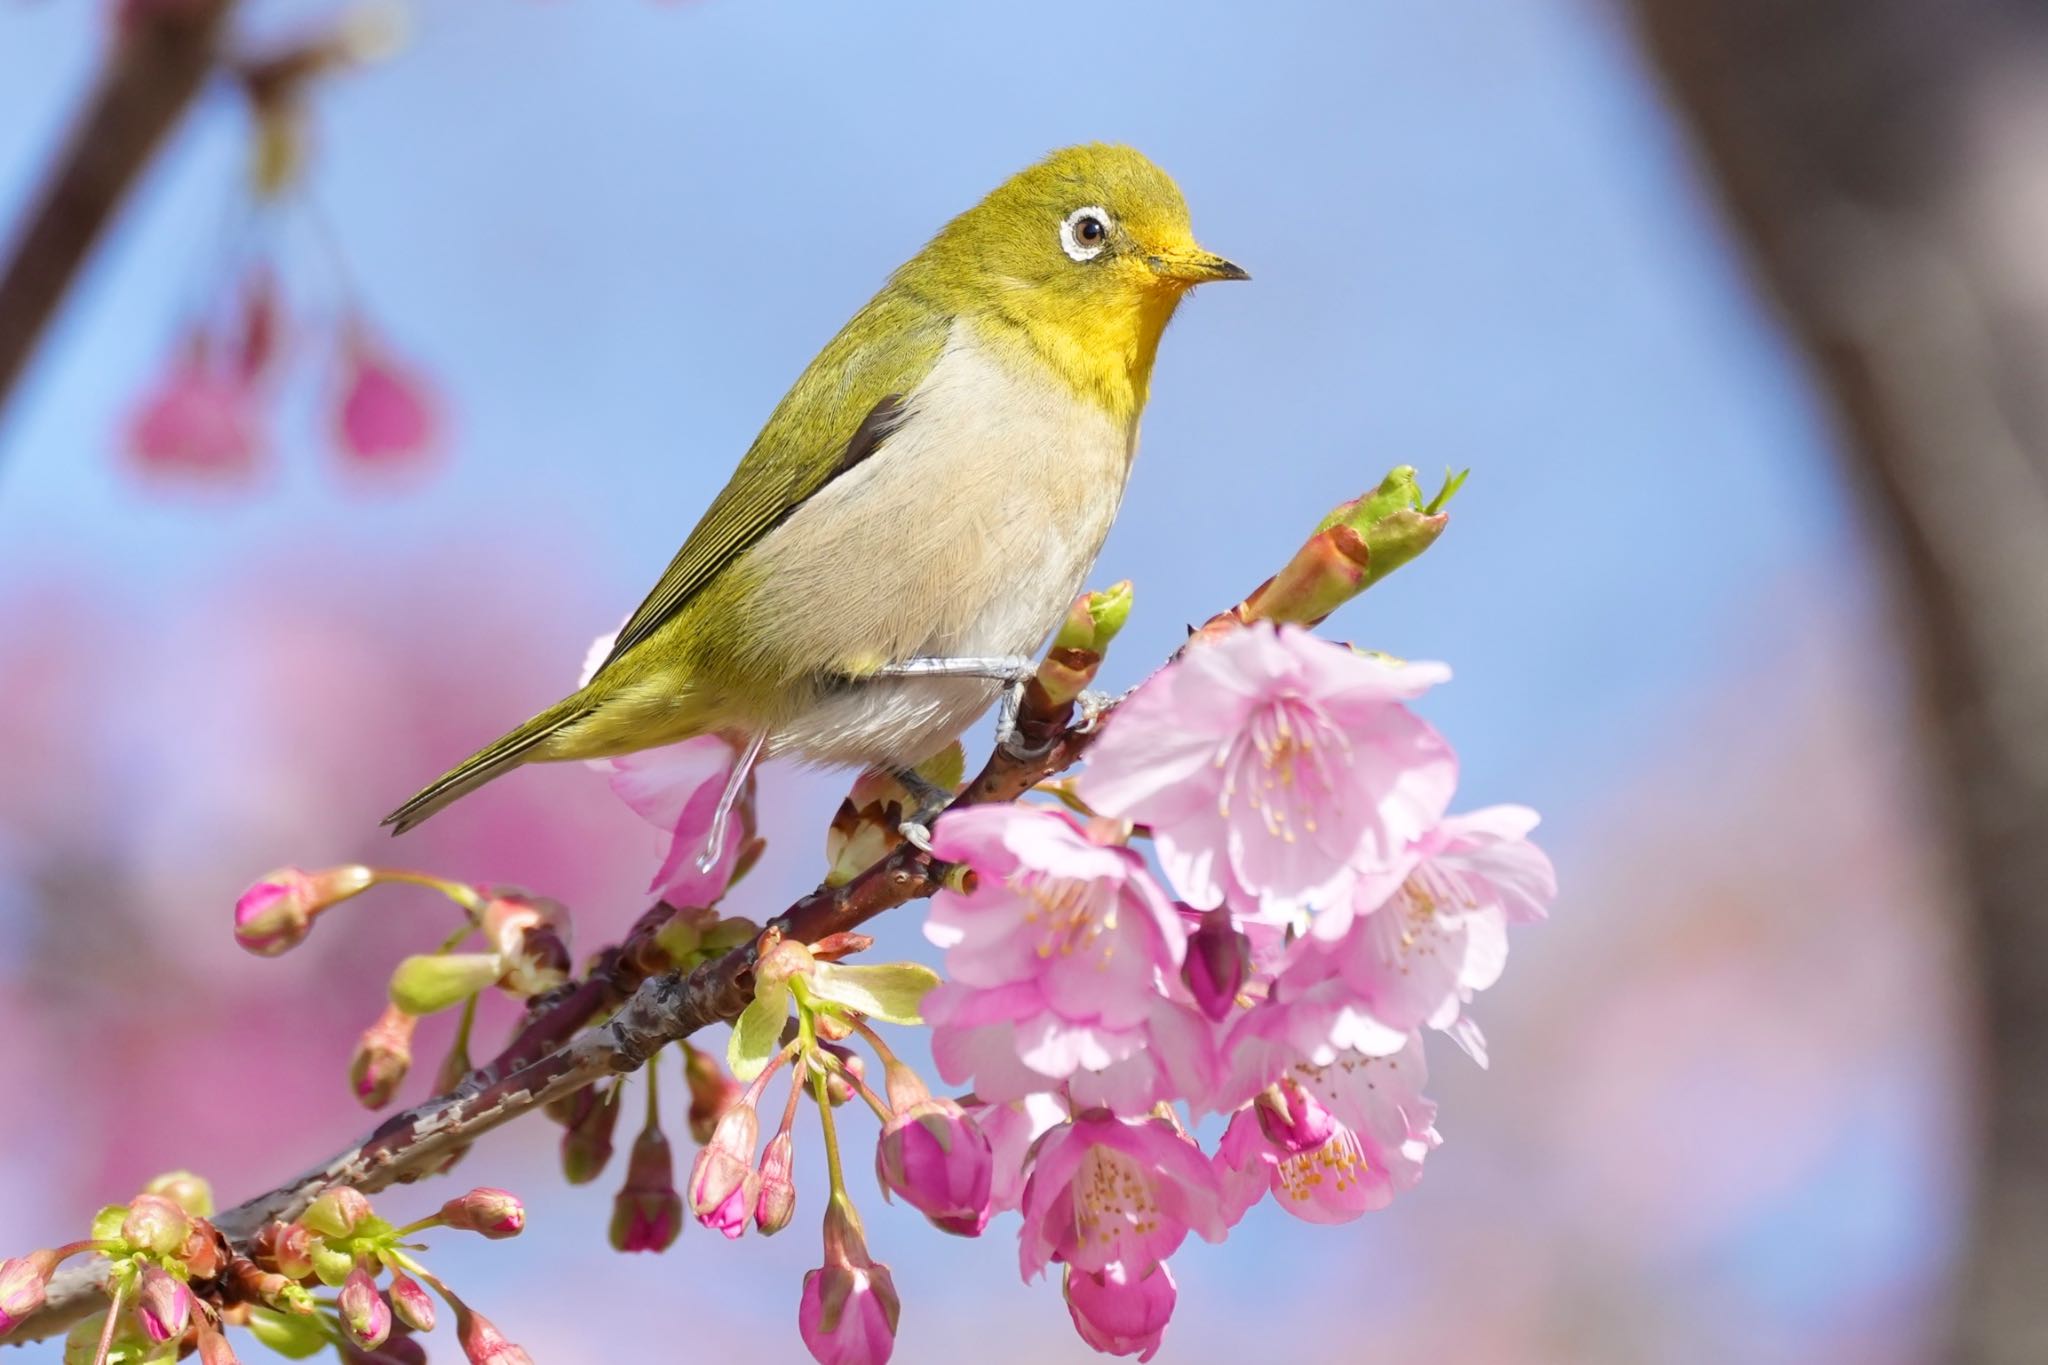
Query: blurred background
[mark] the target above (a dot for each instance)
(1730, 1114)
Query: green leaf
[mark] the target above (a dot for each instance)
(757, 1033)
(890, 991)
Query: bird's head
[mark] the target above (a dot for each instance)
(1090, 251)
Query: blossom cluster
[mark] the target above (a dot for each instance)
(1317, 909)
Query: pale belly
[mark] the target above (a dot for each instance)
(968, 534)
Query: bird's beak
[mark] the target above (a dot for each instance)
(1194, 266)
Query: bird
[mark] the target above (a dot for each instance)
(921, 508)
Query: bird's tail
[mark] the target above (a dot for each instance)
(492, 761)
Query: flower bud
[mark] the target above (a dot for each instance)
(848, 1312)
(336, 1212)
(214, 1348)
(411, 1303)
(364, 1314)
(587, 1141)
(712, 1092)
(188, 1191)
(163, 1305)
(777, 1203)
(400, 1349)
(496, 1214)
(530, 934)
(1292, 1119)
(1118, 1316)
(937, 1158)
(483, 1343)
(24, 1280)
(332, 1264)
(1218, 963)
(647, 1214)
(840, 1081)
(292, 1335)
(155, 1224)
(426, 982)
(286, 1248)
(276, 914)
(383, 1055)
(205, 1252)
(723, 1186)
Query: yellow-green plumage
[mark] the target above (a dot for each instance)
(935, 484)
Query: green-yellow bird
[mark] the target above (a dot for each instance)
(921, 508)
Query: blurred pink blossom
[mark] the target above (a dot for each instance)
(385, 413)
(198, 420)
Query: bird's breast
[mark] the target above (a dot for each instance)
(968, 533)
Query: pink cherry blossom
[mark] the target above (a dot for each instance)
(1057, 961)
(1274, 768)
(385, 415)
(1329, 1181)
(1419, 957)
(1011, 1128)
(676, 789)
(1105, 1192)
(199, 419)
(1120, 1314)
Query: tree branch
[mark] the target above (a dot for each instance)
(157, 65)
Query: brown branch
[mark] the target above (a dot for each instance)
(157, 65)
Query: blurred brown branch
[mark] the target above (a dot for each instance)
(156, 66)
(1886, 164)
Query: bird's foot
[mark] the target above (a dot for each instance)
(931, 799)
(714, 841)
(1002, 668)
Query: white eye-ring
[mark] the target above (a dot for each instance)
(1085, 232)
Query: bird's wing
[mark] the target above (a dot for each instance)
(838, 413)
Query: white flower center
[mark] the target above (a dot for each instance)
(1280, 760)
(1072, 917)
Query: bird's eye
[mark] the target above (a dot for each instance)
(1085, 232)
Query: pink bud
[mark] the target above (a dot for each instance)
(1218, 963)
(411, 1303)
(337, 1211)
(483, 1343)
(364, 1314)
(712, 1092)
(937, 1158)
(1118, 1317)
(199, 419)
(383, 1055)
(647, 1214)
(155, 1224)
(163, 1304)
(276, 914)
(723, 1186)
(848, 1312)
(385, 417)
(587, 1140)
(495, 1213)
(23, 1282)
(778, 1185)
(1292, 1119)
(286, 1248)
(531, 934)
